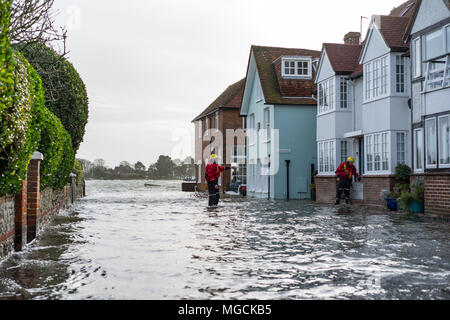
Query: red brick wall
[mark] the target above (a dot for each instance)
(33, 177)
(437, 193)
(20, 220)
(326, 189)
(373, 185)
(228, 119)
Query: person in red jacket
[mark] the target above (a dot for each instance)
(345, 173)
(212, 175)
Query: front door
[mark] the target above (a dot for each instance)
(357, 189)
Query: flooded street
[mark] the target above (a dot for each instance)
(128, 241)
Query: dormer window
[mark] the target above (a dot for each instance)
(296, 67)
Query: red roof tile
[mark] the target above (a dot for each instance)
(343, 57)
(393, 29)
(279, 90)
(230, 98)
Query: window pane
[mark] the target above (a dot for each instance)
(444, 140)
(448, 38)
(430, 136)
(434, 44)
(418, 140)
(417, 58)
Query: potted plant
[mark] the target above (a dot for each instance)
(413, 200)
(402, 175)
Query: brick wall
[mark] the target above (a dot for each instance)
(228, 119)
(437, 193)
(326, 189)
(7, 225)
(373, 185)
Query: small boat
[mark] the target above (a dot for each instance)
(150, 185)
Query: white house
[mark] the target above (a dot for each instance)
(363, 107)
(429, 35)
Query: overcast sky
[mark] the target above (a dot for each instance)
(151, 66)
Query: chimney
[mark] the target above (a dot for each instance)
(352, 38)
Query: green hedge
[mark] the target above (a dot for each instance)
(78, 170)
(65, 92)
(19, 136)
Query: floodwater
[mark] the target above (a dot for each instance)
(128, 241)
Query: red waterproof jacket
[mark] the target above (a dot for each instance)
(346, 171)
(213, 171)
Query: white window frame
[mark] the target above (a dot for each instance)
(442, 165)
(447, 39)
(267, 124)
(443, 50)
(378, 144)
(199, 129)
(399, 144)
(430, 166)
(327, 157)
(326, 99)
(376, 79)
(421, 148)
(295, 60)
(207, 126)
(344, 155)
(199, 169)
(400, 74)
(216, 121)
(417, 54)
(344, 103)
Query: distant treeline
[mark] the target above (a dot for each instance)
(164, 168)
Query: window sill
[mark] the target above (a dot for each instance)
(435, 89)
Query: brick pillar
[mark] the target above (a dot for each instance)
(20, 220)
(33, 195)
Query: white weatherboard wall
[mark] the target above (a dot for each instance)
(325, 69)
(430, 12)
(376, 46)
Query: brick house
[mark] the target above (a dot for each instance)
(429, 35)
(363, 109)
(216, 131)
(279, 106)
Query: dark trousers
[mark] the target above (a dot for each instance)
(344, 185)
(214, 195)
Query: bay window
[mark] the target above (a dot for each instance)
(376, 78)
(326, 95)
(327, 157)
(444, 141)
(377, 151)
(344, 151)
(430, 139)
(343, 93)
(401, 148)
(447, 33)
(418, 149)
(400, 74)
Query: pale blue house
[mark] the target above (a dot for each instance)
(280, 107)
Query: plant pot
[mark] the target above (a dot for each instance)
(417, 207)
(391, 203)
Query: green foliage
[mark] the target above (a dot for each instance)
(417, 194)
(56, 146)
(78, 170)
(65, 92)
(19, 135)
(402, 173)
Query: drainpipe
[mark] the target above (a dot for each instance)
(287, 179)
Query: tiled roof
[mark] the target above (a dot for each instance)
(343, 57)
(404, 10)
(393, 29)
(276, 89)
(230, 98)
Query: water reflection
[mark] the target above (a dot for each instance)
(127, 241)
